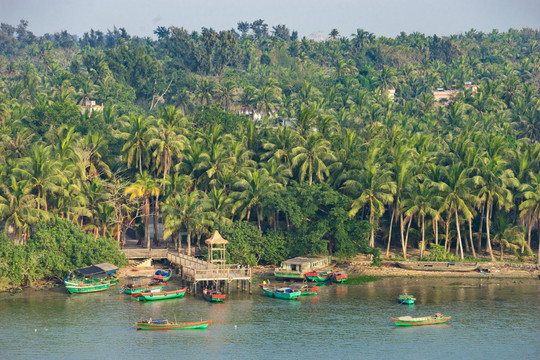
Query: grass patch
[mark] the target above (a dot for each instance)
(361, 279)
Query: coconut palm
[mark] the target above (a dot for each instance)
(531, 204)
(310, 158)
(139, 131)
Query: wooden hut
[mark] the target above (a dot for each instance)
(296, 268)
(216, 249)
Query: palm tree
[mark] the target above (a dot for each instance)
(18, 208)
(310, 158)
(143, 188)
(251, 190)
(185, 211)
(531, 204)
(139, 132)
(375, 188)
(508, 235)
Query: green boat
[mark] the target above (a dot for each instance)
(319, 276)
(281, 292)
(213, 295)
(86, 288)
(163, 275)
(406, 299)
(91, 279)
(428, 320)
(131, 288)
(340, 277)
(163, 324)
(154, 295)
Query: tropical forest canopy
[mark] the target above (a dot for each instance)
(287, 146)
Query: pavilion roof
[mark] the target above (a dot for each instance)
(216, 239)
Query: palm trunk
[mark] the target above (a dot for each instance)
(446, 247)
(156, 230)
(147, 222)
(436, 229)
(258, 217)
(407, 234)
(402, 230)
(189, 243)
(460, 244)
(479, 240)
(471, 238)
(390, 233)
(422, 244)
(372, 237)
(488, 213)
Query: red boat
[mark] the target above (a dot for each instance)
(213, 295)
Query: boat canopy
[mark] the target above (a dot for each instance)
(104, 268)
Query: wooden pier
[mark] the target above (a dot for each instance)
(199, 272)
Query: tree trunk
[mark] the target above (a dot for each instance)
(372, 237)
(156, 230)
(390, 233)
(538, 228)
(446, 247)
(460, 244)
(147, 222)
(488, 214)
(422, 244)
(471, 238)
(479, 240)
(407, 234)
(189, 243)
(258, 217)
(402, 231)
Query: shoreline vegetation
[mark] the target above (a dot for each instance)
(425, 147)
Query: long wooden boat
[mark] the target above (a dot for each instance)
(428, 320)
(438, 266)
(163, 274)
(406, 299)
(163, 324)
(213, 295)
(340, 277)
(131, 288)
(154, 295)
(86, 288)
(281, 292)
(319, 276)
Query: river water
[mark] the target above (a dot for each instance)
(491, 319)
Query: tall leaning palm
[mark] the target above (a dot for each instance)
(310, 158)
(143, 188)
(376, 188)
(531, 204)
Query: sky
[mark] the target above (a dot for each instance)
(311, 18)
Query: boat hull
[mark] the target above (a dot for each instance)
(213, 296)
(319, 276)
(438, 266)
(160, 295)
(289, 275)
(87, 288)
(430, 320)
(281, 295)
(144, 325)
(141, 289)
(340, 278)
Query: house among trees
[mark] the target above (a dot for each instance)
(255, 115)
(90, 106)
(441, 93)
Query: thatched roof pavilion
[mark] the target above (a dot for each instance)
(216, 243)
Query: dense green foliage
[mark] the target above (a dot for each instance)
(53, 249)
(288, 146)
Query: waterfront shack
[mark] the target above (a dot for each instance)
(295, 268)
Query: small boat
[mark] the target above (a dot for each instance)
(154, 295)
(319, 276)
(91, 278)
(281, 292)
(438, 266)
(163, 324)
(340, 277)
(406, 299)
(131, 288)
(428, 320)
(213, 295)
(86, 288)
(305, 289)
(163, 275)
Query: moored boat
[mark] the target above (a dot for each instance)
(213, 295)
(295, 268)
(340, 277)
(163, 274)
(438, 266)
(154, 295)
(163, 324)
(428, 320)
(91, 278)
(132, 288)
(281, 292)
(305, 289)
(319, 276)
(406, 299)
